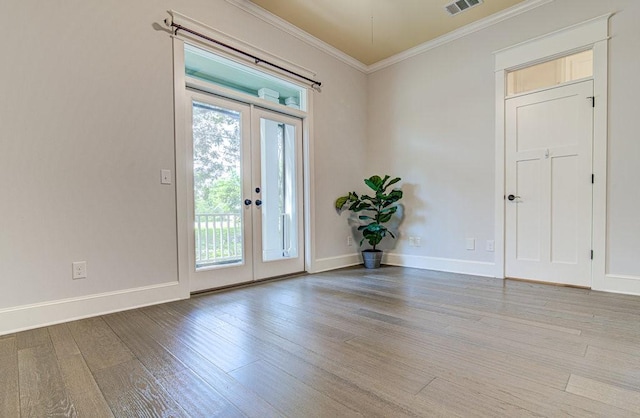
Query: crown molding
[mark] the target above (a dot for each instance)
(298, 33)
(458, 33)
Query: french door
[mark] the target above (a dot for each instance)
(245, 192)
(549, 185)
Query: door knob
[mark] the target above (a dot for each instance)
(247, 202)
(258, 202)
(512, 197)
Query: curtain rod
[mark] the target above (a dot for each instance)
(314, 84)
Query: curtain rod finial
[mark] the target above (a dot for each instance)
(168, 21)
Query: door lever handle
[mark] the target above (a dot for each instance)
(512, 197)
(247, 202)
(258, 202)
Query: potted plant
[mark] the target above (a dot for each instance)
(373, 212)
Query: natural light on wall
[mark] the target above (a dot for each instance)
(550, 73)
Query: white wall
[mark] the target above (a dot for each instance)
(431, 121)
(87, 123)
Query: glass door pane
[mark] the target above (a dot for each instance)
(279, 215)
(277, 180)
(217, 186)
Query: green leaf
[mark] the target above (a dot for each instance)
(393, 181)
(391, 209)
(385, 217)
(340, 202)
(364, 217)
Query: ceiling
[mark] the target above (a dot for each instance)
(372, 30)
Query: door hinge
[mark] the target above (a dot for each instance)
(592, 254)
(593, 100)
(593, 179)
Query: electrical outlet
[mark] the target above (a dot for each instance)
(471, 244)
(165, 176)
(79, 270)
(349, 241)
(490, 245)
(412, 241)
(416, 241)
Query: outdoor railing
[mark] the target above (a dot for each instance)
(218, 238)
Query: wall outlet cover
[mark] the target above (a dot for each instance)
(79, 270)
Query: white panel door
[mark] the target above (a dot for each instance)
(548, 199)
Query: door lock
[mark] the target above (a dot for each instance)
(258, 202)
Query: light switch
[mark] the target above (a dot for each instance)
(471, 244)
(165, 176)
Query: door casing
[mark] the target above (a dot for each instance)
(593, 33)
(181, 83)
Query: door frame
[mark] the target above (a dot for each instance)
(181, 83)
(592, 34)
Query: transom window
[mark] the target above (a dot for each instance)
(551, 73)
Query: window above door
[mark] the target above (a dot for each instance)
(551, 73)
(220, 71)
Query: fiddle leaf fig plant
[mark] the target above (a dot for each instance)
(374, 211)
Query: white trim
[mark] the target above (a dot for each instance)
(298, 33)
(309, 39)
(616, 283)
(476, 26)
(37, 315)
(560, 42)
(499, 230)
(600, 161)
(218, 35)
(308, 149)
(592, 33)
(181, 167)
(333, 263)
(475, 268)
(220, 91)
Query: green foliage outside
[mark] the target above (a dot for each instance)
(217, 184)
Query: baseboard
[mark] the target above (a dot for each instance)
(617, 283)
(333, 263)
(38, 315)
(475, 268)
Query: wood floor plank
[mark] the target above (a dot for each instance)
(130, 390)
(605, 393)
(459, 401)
(161, 325)
(100, 346)
(380, 370)
(63, 341)
(156, 359)
(9, 388)
(82, 388)
(42, 389)
(292, 397)
(32, 338)
(370, 381)
(197, 397)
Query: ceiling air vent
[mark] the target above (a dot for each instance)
(458, 6)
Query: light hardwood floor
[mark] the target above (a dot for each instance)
(393, 342)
